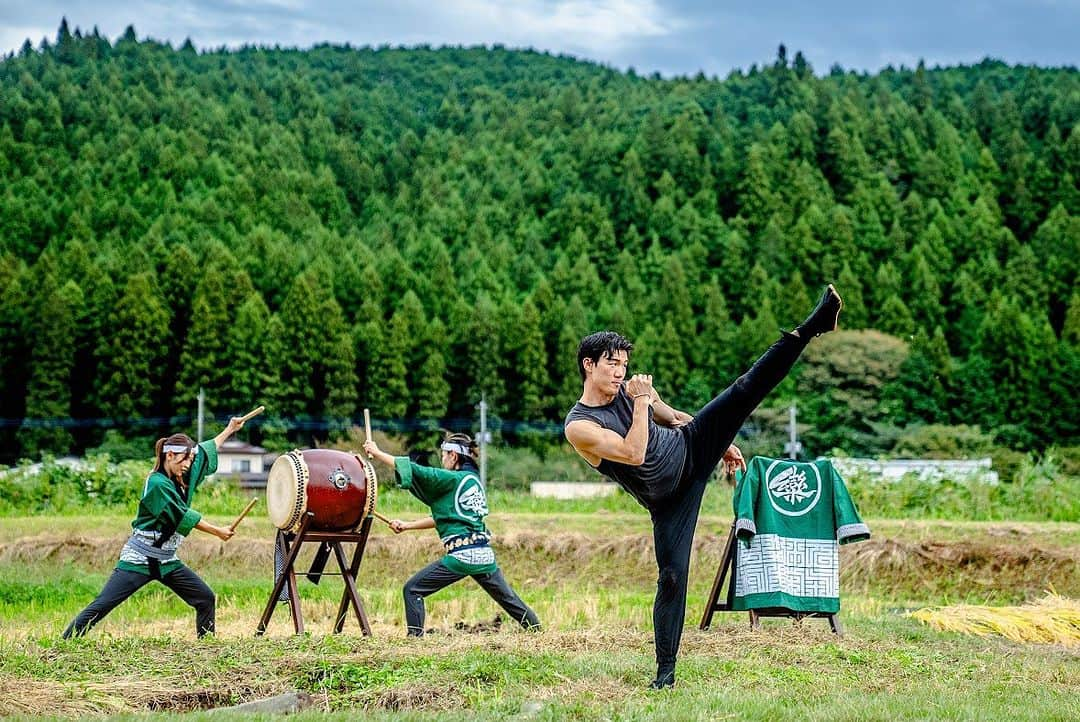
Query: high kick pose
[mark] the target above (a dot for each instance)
(663, 457)
(164, 518)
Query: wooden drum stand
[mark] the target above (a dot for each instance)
(291, 543)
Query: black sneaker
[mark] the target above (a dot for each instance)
(823, 318)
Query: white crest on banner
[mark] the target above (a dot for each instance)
(791, 491)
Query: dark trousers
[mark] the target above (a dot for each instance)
(122, 584)
(436, 575)
(708, 436)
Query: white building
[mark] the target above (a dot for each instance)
(240, 460)
(933, 470)
(572, 489)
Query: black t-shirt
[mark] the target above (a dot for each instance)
(665, 453)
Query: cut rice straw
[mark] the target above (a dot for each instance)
(1051, 620)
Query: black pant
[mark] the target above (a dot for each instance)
(708, 436)
(122, 584)
(436, 575)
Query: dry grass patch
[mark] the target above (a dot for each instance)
(1051, 620)
(961, 565)
(20, 696)
(427, 697)
(31, 697)
(996, 563)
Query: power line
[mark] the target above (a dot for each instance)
(299, 423)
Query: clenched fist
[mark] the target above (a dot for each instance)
(640, 384)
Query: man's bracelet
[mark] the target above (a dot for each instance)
(636, 396)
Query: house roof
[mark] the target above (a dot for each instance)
(234, 446)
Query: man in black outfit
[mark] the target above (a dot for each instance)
(663, 457)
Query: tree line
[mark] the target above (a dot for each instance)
(409, 229)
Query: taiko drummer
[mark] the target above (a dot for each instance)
(458, 505)
(163, 519)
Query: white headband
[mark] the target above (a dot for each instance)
(176, 448)
(459, 448)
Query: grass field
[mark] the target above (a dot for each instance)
(589, 574)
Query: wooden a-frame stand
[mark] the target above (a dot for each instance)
(713, 604)
(349, 597)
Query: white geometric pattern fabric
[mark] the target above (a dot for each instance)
(476, 555)
(799, 567)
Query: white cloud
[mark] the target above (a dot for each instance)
(607, 24)
(597, 26)
(13, 37)
(593, 28)
(671, 36)
(254, 6)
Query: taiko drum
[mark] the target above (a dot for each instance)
(338, 488)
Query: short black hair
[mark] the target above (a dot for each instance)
(597, 344)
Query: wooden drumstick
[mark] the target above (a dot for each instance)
(254, 412)
(367, 430)
(232, 527)
(380, 517)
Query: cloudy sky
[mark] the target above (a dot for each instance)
(669, 36)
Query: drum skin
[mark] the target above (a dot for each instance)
(340, 489)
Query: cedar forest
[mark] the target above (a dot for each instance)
(412, 229)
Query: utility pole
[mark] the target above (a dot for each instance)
(202, 400)
(793, 447)
(483, 441)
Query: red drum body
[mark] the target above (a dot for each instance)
(337, 487)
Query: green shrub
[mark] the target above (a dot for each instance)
(54, 487)
(942, 441)
(119, 447)
(1068, 458)
(1007, 462)
(1040, 488)
(513, 469)
(1039, 493)
(95, 482)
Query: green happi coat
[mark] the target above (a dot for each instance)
(790, 518)
(458, 506)
(163, 507)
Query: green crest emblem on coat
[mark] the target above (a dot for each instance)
(792, 492)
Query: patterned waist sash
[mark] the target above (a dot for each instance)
(460, 542)
(139, 544)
